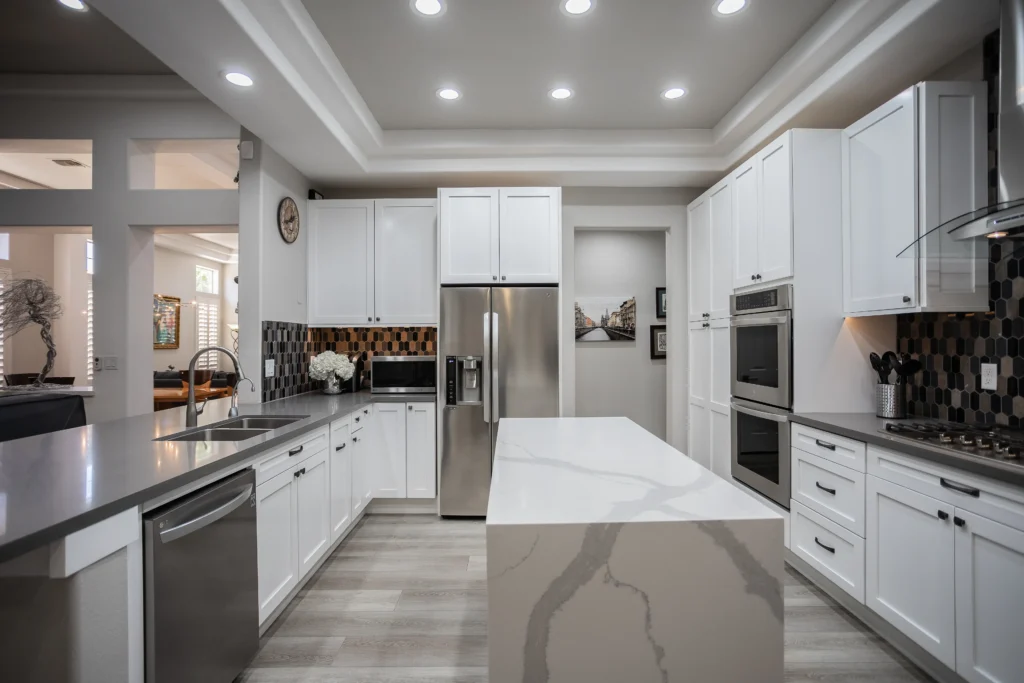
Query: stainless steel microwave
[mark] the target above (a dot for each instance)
(403, 374)
(762, 346)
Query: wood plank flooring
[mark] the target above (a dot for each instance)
(404, 600)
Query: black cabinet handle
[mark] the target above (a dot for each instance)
(825, 444)
(410, 407)
(906, 299)
(295, 451)
(753, 277)
(960, 521)
(831, 550)
(339, 447)
(378, 319)
(357, 419)
(759, 276)
(960, 488)
(366, 412)
(943, 515)
(299, 473)
(825, 488)
(355, 439)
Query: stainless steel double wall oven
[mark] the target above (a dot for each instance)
(762, 389)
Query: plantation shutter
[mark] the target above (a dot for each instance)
(207, 323)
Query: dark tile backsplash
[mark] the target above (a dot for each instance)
(287, 345)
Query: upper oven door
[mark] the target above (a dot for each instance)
(403, 374)
(762, 358)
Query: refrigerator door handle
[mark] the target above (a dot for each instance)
(485, 387)
(495, 410)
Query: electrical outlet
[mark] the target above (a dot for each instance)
(268, 367)
(96, 364)
(988, 376)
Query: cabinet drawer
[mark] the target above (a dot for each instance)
(980, 495)
(292, 454)
(829, 489)
(341, 423)
(832, 447)
(359, 419)
(836, 552)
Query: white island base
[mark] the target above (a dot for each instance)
(612, 557)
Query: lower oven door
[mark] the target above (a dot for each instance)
(761, 365)
(760, 449)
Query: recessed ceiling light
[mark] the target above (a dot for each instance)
(238, 78)
(576, 6)
(673, 93)
(76, 5)
(726, 7)
(561, 93)
(430, 8)
(449, 94)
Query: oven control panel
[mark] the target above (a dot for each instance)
(775, 299)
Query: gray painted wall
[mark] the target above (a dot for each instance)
(619, 378)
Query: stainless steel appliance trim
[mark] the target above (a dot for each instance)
(485, 389)
(781, 397)
(779, 493)
(785, 300)
(403, 390)
(496, 378)
(197, 523)
(400, 359)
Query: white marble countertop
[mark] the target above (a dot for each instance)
(587, 470)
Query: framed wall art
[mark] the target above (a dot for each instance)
(659, 342)
(166, 321)
(661, 303)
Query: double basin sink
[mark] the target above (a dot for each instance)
(235, 429)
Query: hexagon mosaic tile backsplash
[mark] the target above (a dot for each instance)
(952, 348)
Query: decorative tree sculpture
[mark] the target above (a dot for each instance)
(30, 300)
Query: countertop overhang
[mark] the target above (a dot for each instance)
(54, 484)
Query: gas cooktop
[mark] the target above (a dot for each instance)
(986, 441)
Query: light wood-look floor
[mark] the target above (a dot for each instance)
(404, 600)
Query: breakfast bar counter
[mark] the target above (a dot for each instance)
(611, 556)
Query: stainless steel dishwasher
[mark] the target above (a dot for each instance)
(202, 603)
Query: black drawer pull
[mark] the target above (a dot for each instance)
(295, 451)
(355, 439)
(825, 488)
(825, 444)
(357, 419)
(339, 448)
(943, 515)
(831, 550)
(960, 488)
(960, 521)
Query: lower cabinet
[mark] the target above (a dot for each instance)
(404, 445)
(277, 537)
(362, 483)
(388, 464)
(313, 502)
(341, 478)
(420, 450)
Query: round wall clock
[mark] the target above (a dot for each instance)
(288, 219)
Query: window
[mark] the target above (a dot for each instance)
(89, 266)
(88, 336)
(206, 280)
(207, 324)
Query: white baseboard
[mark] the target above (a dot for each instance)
(403, 506)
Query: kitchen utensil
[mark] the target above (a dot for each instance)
(880, 367)
(910, 367)
(892, 361)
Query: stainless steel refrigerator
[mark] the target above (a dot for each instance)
(498, 351)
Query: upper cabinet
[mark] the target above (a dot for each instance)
(710, 253)
(763, 215)
(500, 235)
(907, 167)
(373, 262)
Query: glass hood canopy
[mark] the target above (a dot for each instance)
(966, 237)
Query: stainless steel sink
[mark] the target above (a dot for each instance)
(217, 434)
(260, 422)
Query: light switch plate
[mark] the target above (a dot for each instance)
(268, 367)
(988, 376)
(110, 362)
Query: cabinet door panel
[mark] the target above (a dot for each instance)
(313, 496)
(699, 448)
(360, 474)
(530, 235)
(989, 600)
(879, 177)
(420, 450)
(341, 260)
(719, 398)
(910, 565)
(405, 262)
(277, 542)
(699, 257)
(469, 235)
(721, 280)
(745, 215)
(388, 462)
(775, 227)
(341, 480)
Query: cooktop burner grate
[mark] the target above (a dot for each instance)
(992, 441)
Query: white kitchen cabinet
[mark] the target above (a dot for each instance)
(698, 229)
(909, 565)
(699, 447)
(719, 398)
(745, 231)
(530, 231)
(469, 235)
(721, 278)
(341, 478)
(362, 482)
(907, 167)
(405, 263)
(775, 223)
(277, 540)
(341, 262)
(387, 467)
(989, 599)
(420, 450)
(313, 505)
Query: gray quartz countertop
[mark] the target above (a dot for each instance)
(55, 484)
(866, 427)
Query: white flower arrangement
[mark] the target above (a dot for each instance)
(328, 363)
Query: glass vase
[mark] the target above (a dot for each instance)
(332, 385)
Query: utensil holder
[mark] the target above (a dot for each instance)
(891, 401)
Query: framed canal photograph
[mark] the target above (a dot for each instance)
(659, 342)
(660, 302)
(602, 319)
(166, 321)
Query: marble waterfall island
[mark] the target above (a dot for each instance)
(612, 557)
